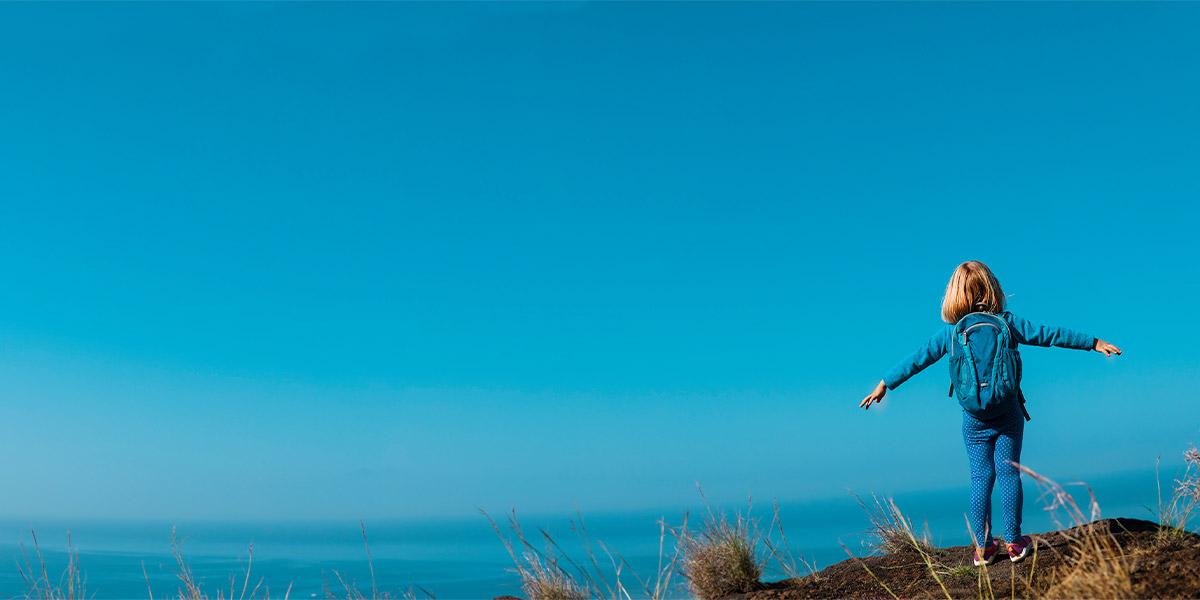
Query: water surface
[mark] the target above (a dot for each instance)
(457, 557)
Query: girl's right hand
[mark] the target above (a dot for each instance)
(1105, 347)
(876, 395)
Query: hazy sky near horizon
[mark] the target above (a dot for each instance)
(381, 260)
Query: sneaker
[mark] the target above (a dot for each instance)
(987, 556)
(1018, 550)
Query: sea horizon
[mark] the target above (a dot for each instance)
(461, 556)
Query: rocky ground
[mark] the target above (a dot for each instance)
(1157, 570)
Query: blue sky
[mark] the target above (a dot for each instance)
(371, 260)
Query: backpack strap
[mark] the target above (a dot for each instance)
(961, 338)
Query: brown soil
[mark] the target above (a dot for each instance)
(1158, 570)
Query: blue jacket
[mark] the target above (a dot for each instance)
(1023, 332)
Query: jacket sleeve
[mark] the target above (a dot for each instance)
(1048, 335)
(926, 355)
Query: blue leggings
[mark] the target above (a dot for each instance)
(991, 445)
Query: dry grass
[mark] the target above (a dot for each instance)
(890, 526)
(793, 565)
(245, 587)
(242, 586)
(1175, 514)
(891, 532)
(542, 577)
(1095, 566)
(860, 562)
(983, 580)
(38, 585)
(351, 591)
(721, 558)
(239, 588)
(548, 573)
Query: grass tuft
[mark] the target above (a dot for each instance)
(542, 577)
(891, 532)
(550, 574)
(1095, 566)
(36, 576)
(721, 558)
(1175, 514)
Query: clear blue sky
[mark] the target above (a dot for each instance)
(311, 260)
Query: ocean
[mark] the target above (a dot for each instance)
(459, 557)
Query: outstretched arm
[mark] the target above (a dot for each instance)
(1048, 335)
(926, 355)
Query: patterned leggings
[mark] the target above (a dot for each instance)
(991, 445)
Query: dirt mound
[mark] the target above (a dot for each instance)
(1157, 570)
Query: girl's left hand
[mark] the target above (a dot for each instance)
(876, 395)
(1105, 347)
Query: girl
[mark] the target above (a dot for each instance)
(992, 436)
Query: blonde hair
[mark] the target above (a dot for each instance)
(972, 288)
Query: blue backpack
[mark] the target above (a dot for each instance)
(984, 372)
